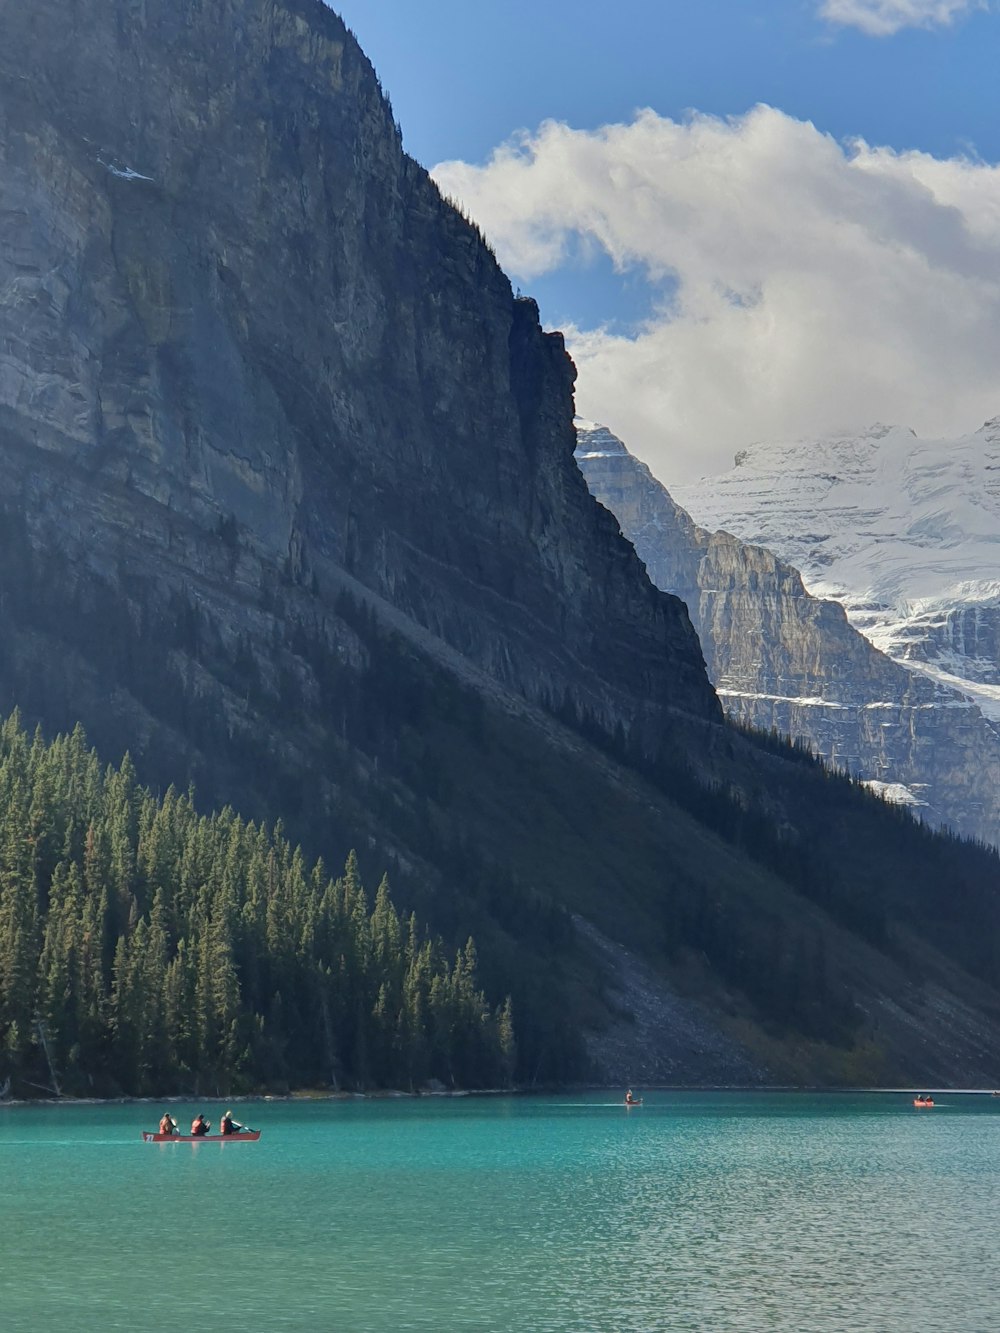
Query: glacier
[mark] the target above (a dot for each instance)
(903, 532)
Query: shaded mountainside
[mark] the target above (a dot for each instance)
(782, 659)
(233, 297)
(289, 510)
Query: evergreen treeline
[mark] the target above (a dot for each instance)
(145, 948)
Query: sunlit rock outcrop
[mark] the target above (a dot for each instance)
(784, 659)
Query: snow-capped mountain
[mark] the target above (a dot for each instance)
(785, 659)
(903, 532)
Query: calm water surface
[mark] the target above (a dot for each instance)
(697, 1211)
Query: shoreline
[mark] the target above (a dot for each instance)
(396, 1094)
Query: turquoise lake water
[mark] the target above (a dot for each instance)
(697, 1211)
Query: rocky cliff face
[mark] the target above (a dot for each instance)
(232, 303)
(287, 480)
(783, 659)
(288, 507)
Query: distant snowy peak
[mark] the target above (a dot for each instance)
(882, 516)
(904, 532)
(853, 453)
(596, 441)
(916, 729)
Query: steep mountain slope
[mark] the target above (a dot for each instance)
(783, 659)
(903, 532)
(289, 508)
(253, 320)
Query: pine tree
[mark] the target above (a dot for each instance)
(161, 948)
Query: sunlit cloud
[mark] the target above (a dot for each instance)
(882, 18)
(800, 284)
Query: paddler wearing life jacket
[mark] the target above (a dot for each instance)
(630, 1100)
(199, 1125)
(168, 1125)
(231, 1126)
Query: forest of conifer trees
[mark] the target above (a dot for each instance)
(147, 949)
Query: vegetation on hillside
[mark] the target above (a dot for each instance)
(790, 886)
(158, 950)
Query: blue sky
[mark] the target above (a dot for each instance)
(462, 77)
(467, 80)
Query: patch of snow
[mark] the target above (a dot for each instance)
(895, 792)
(810, 701)
(986, 697)
(948, 700)
(598, 440)
(901, 531)
(123, 173)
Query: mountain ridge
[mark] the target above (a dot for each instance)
(290, 511)
(784, 659)
(903, 532)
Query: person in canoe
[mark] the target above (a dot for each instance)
(168, 1125)
(231, 1126)
(632, 1101)
(199, 1125)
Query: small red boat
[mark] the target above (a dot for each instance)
(248, 1136)
(923, 1101)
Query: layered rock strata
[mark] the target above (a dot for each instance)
(786, 660)
(903, 532)
(288, 507)
(231, 302)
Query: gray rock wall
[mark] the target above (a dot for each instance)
(783, 659)
(230, 303)
(288, 507)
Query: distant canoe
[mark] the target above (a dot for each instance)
(923, 1101)
(251, 1136)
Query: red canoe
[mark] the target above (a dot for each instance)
(251, 1136)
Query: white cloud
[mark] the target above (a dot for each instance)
(882, 18)
(803, 285)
